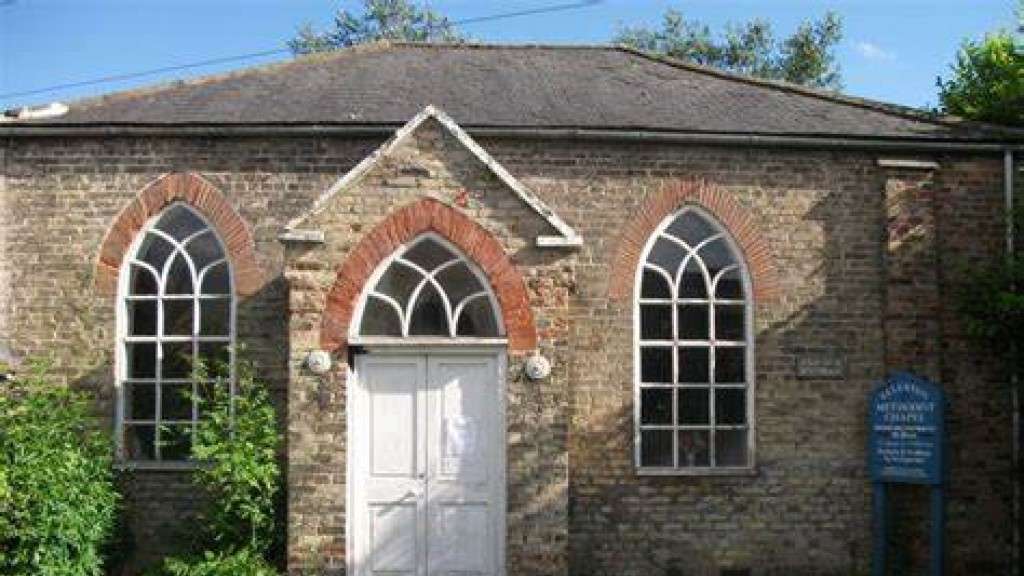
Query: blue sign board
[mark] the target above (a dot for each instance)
(907, 431)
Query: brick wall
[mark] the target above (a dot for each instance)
(575, 503)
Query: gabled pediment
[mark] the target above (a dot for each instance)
(563, 235)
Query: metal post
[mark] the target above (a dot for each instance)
(938, 530)
(881, 530)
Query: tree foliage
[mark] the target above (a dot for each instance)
(58, 500)
(237, 442)
(806, 57)
(987, 80)
(379, 20)
(990, 300)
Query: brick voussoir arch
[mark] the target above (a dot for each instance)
(198, 193)
(736, 219)
(405, 224)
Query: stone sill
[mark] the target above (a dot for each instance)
(698, 473)
(151, 466)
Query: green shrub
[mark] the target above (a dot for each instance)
(243, 562)
(58, 501)
(237, 441)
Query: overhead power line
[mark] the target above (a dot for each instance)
(273, 52)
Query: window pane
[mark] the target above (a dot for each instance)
(656, 448)
(177, 360)
(694, 406)
(143, 282)
(204, 250)
(176, 402)
(730, 365)
(690, 227)
(216, 280)
(179, 277)
(175, 442)
(428, 254)
(477, 319)
(215, 317)
(141, 317)
(141, 359)
(729, 285)
(731, 406)
(692, 284)
(693, 322)
(139, 401)
(429, 317)
(656, 365)
(693, 448)
(694, 365)
(654, 285)
(729, 322)
(667, 255)
(178, 317)
(180, 222)
(154, 251)
(716, 256)
(216, 356)
(458, 282)
(731, 447)
(138, 441)
(656, 406)
(656, 321)
(379, 319)
(399, 281)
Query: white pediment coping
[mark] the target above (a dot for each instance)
(567, 237)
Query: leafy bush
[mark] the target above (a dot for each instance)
(987, 81)
(237, 441)
(57, 496)
(244, 562)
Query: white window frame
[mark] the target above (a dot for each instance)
(123, 338)
(405, 315)
(721, 232)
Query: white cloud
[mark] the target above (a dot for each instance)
(873, 51)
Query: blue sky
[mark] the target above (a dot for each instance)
(893, 49)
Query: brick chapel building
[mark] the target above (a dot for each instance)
(526, 309)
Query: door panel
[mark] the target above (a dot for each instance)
(388, 451)
(393, 538)
(462, 464)
(427, 447)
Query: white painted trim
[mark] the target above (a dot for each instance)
(311, 236)
(908, 164)
(121, 321)
(751, 382)
(367, 290)
(412, 349)
(567, 237)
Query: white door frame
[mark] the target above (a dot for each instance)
(411, 348)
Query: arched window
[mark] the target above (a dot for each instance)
(176, 306)
(693, 349)
(429, 289)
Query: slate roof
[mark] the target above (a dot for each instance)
(513, 86)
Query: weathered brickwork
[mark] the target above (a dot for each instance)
(433, 165)
(838, 268)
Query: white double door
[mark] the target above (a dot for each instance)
(427, 449)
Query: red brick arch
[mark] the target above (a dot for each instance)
(195, 191)
(736, 219)
(405, 224)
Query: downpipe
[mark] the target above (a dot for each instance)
(1014, 377)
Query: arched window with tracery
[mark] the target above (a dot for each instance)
(429, 289)
(176, 306)
(694, 349)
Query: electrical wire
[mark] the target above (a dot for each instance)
(264, 53)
